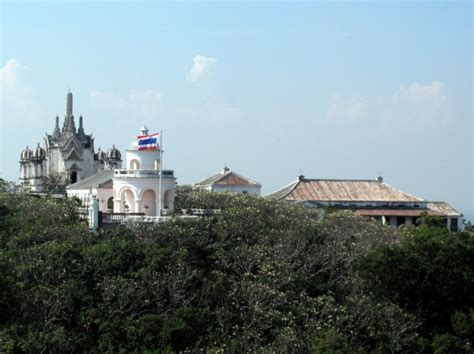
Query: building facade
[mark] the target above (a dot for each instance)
(67, 155)
(230, 182)
(134, 189)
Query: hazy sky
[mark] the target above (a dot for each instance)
(338, 90)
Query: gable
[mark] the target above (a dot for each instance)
(71, 149)
(232, 179)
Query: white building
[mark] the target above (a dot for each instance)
(100, 185)
(134, 189)
(229, 181)
(67, 155)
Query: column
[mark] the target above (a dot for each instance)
(117, 206)
(138, 206)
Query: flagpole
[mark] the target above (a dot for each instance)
(161, 169)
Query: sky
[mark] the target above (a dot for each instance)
(270, 89)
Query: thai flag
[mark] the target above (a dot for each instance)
(148, 142)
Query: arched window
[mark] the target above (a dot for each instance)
(134, 164)
(110, 204)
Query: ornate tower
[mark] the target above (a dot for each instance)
(69, 125)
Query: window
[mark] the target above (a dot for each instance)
(134, 164)
(73, 177)
(110, 204)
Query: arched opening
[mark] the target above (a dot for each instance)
(128, 201)
(149, 202)
(110, 204)
(134, 164)
(157, 165)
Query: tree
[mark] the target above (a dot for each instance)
(430, 274)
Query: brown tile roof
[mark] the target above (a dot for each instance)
(326, 190)
(227, 178)
(107, 185)
(442, 208)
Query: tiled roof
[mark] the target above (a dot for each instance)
(326, 190)
(226, 178)
(93, 181)
(442, 208)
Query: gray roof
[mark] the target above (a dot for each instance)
(92, 181)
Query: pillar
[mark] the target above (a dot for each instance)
(138, 206)
(93, 213)
(117, 206)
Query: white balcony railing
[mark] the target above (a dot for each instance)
(144, 173)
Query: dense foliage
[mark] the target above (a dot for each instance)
(261, 274)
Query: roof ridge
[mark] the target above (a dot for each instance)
(205, 179)
(340, 179)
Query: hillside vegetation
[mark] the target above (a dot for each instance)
(261, 275)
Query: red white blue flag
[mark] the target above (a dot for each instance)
(148, 142)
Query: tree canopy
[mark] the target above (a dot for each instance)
(261, 275)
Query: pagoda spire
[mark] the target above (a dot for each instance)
(69, 103)
(69, 125)
(80, 131)
(56, 131)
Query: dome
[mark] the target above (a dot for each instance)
(114, 154)
(26, 154)
(38, 153)
(99, 155)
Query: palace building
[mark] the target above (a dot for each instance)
(67, 155)
(371, 198)
(143, 187)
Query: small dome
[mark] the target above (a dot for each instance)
(114, 154)
(38, 153)
(99, 155)
(26, 154)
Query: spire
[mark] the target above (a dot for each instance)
(69, 103)
(69, 125)
(81, 127)
(56, 131)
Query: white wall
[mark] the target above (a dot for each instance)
(250, 189)
(138, 185)
(146, 158)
